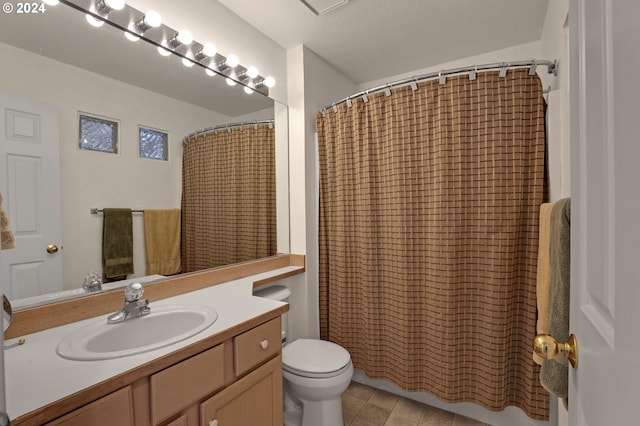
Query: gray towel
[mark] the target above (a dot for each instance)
(117, 244)
(554, 374)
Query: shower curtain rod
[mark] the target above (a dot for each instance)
(228, 126)
(552, 68)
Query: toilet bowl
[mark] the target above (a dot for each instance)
(316, 373)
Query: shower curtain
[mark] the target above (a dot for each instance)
(228, 197)
(428, 230)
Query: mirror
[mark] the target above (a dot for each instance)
(6, 312)
(57, 58)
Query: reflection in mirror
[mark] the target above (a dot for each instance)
(7, 312)
(57, 67)
(228, 196)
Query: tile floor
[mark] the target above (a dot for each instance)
(366, 406)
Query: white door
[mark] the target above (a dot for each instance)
(4, 418)
(30, 186)
(605, 188)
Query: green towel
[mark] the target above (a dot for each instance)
(554, 373)
(117, 244)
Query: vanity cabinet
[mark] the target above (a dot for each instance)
(252, 393)
(46, 389)
(236, 382)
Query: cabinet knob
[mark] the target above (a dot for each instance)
(264, 344)
(213, 422)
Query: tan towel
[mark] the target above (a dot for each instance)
(117, 244)
(6, 236)
(554, 374)
(162, 241)
(543, 273)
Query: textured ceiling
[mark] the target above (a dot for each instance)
(369, 40)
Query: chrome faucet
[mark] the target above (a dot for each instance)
(133, 306)
(92, 282)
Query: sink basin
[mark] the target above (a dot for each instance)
(162, 327)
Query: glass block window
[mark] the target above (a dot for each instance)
(154, 144)
(98, 134)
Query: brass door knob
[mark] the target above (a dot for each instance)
(548, 348)
(52, 248)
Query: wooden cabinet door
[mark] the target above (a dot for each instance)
(254, 400)
(189, 417)
(180, 421)
(110, 410)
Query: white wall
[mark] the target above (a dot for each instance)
(312, 84)
(555, 44)
(95, 179)
(299, 324)
(514, 53)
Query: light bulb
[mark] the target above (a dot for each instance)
(185, 37)
(252, 72)
(163, 51)
(209, 72)
(152, 19)
(187, 63)
(269, 81)
(232, 61)
(248, 90)
(95, 22)
(51, 2)
(114, 4)
(230, 82)
(209, 49)
(130, 34)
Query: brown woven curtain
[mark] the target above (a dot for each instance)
(228, 197)
(429, 204)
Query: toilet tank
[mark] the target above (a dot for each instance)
(281, 294)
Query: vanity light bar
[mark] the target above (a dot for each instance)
(150, 28)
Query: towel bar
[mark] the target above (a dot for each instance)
(94, 210)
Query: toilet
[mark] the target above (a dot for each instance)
(316, 373)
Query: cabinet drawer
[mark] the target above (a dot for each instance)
(186, 383)
(113, 409)
(257, 345)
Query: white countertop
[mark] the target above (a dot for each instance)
(35, 375)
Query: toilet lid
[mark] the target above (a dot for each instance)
(314, 356)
